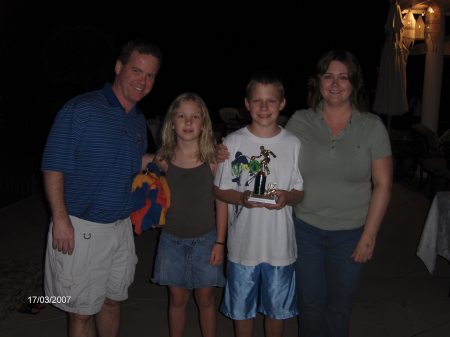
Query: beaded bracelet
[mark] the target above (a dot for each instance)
(220, 243)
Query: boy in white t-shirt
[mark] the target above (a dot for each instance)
(261, 238)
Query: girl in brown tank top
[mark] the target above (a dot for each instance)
(191, 247)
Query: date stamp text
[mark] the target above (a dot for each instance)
(49, 299)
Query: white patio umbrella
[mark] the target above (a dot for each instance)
(390, 94)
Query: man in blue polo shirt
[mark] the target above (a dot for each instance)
(93, 151)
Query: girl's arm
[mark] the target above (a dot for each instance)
(146, 159)
(151, 157)
(218, 251)
(221, 221)
(162, 164)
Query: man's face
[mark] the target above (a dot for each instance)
(135, 79)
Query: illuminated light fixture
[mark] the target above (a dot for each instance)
(409, 28)
(419, 33)
(432, 27)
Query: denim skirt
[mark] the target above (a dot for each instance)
(184, 263)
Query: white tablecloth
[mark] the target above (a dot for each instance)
(435, 239)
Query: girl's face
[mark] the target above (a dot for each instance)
(188, 121)
(335, 85)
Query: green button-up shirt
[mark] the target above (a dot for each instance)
(337, 171)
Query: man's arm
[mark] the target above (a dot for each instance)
(62, 231)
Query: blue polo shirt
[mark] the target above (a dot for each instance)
(98, 147)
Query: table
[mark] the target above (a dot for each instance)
(435, 238)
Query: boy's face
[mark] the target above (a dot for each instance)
(265, 104)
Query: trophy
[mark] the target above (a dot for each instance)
(261, 193)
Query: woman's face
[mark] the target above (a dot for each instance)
(335, 85)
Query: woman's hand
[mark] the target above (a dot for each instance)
(364, 249)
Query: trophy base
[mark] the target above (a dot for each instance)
(265, 199)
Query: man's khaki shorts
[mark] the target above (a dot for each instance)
(102, 266)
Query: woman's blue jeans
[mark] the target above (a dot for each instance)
(327, 279)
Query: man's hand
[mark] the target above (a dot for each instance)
(222, 153)
(63, 236)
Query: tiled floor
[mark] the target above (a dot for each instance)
(397, 296)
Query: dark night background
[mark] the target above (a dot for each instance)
(51, 52)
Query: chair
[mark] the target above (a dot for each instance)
(231, 119)
(282, 120)
(428, 156)
(444, 143)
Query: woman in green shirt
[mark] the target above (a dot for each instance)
(346, 163)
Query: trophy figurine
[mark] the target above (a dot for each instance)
(260, 192)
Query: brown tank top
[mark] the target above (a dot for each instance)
(191, 212)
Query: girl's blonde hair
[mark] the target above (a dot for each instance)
(169, 138)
